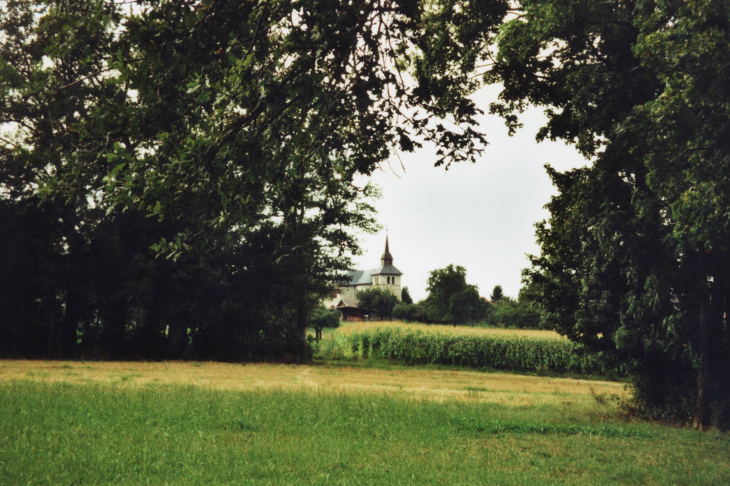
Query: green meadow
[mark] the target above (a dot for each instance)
(53, 431)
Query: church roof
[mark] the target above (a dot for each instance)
(360, 277)
(348, 303)
(365, 277)
(387, 255)
(386, 270)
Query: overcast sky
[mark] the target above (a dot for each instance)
(479, 216)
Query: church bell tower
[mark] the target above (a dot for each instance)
(386, 276)
(387, 258)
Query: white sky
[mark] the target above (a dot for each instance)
(479, 216)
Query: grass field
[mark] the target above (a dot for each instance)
(400, 381)
(212, 423)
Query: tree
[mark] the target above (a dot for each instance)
(403, 311)
(503, 314)
(405, 297)
(496, 293)
(43, 52)
(29, 260)
(528, 299)
(633, 259)
(487, 311)
(686, 46)
(322, 317)
(411, 312)
(241, 127)
(450, 298)
(282, 99)
(511, 313)
(379, 300)
(465, 306)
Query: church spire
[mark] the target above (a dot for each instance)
(387, 258)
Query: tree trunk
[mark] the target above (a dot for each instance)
(70, 324)
(702, 414)
(115, 323)
(176, 334)
(302, 313)
(68, 339)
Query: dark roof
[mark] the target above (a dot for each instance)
(365, 277)
(360, 277)
(385, 270)
(352, 304)
(348, 303)
(387, 256)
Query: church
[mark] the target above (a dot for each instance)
(385, 277)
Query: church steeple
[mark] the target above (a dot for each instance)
(387, 258)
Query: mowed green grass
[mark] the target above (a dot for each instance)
(61, 433)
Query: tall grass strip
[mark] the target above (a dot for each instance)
(510, 352)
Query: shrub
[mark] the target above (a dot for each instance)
(508, 313)
(322, 317)
(411, 312)
(380, 300)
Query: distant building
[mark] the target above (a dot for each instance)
(385, 277)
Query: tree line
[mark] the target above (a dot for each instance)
(451, 300)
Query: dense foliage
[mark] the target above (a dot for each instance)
(450, 299)
(128, 304)
(634, 258)
(417, 312)
(240, 127)
(511, 313)
(405, 296)
(381, 301)
(322, 317)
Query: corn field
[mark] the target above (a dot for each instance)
(487, 351)
(450, 330)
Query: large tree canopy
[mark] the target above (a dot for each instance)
(240, 127)
(450, 299)
(382, 301)
(225, 114)
(634, 256)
